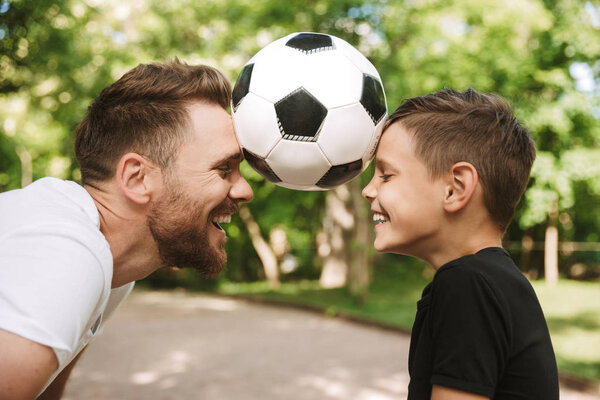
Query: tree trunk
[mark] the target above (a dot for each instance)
(525, 259)
(264, 251)
(551, 246)
(360, 272)
(344, 243)
(333, 241)
(26, 166)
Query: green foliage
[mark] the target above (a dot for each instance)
(56, 55)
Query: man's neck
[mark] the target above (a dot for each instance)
(125, 228)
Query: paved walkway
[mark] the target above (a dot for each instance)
(172, 346)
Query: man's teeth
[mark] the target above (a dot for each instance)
(379, 218)
(223, 219)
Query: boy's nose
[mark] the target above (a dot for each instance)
(369, 191)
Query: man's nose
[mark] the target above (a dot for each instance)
(241, 191)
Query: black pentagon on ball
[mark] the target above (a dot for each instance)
(242, 86)
(372, 98)
(339, 174)
(261, 166)
(309, 43)
(300, 116)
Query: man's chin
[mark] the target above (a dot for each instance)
(214, 269)
(210, 261)
(214, 263)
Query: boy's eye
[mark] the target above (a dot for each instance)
(385, 177)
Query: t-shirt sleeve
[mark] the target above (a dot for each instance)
(51, 282)
(469, 332)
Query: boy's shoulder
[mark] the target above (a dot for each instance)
(489, 275)
(492, 268)
(490, 260)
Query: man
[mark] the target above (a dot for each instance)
(160, 170)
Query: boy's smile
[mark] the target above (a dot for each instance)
(407, 204)
(379, 218)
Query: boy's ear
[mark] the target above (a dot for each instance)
(461, 184)
(135, 178)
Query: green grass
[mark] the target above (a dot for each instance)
(572, 309)
(391, 300)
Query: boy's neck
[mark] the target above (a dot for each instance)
(459, 240)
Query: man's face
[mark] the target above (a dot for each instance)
(406, 202)
(202, 188)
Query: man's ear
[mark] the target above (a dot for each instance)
(461, 184)
(134, 177)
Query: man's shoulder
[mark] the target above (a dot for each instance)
(47, 201)
(48, 191)
(54, 219)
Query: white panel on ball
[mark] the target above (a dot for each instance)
(277, 43)
(300, 187)
(277, 72)
(357, 58)
(332, 79)
(370, 152)
(259, 135)
(346, 132)
(301, 163)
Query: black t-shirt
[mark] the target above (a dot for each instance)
(480, 329)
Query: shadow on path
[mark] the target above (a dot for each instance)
(168, 346)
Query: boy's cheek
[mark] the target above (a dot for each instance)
(381, 243)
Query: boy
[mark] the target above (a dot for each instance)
(449, 170)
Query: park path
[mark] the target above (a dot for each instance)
(177, 346)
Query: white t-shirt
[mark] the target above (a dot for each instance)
(55, 267)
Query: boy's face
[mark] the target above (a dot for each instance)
(406, 203)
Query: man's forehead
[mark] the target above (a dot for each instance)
(211, 138)
(208, 117)
(212, 126)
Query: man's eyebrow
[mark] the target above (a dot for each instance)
(232, 157)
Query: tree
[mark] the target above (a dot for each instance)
(55, 56)
(525, 52)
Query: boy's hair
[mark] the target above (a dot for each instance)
(449, 127)
(144, 112)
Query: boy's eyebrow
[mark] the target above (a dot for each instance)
(382, 164)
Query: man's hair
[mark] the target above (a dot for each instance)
(449, 127)
(144, 112)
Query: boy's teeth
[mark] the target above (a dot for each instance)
(377, 217)
(224, 219)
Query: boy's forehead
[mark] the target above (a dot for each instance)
(381, 162)
(395, 144)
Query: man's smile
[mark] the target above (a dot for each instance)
(221, 219)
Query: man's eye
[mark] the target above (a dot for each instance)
(225, 170)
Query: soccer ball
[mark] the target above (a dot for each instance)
(308, 111)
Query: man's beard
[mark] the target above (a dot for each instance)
(181, 233)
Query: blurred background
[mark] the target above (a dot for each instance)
(315, 248)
